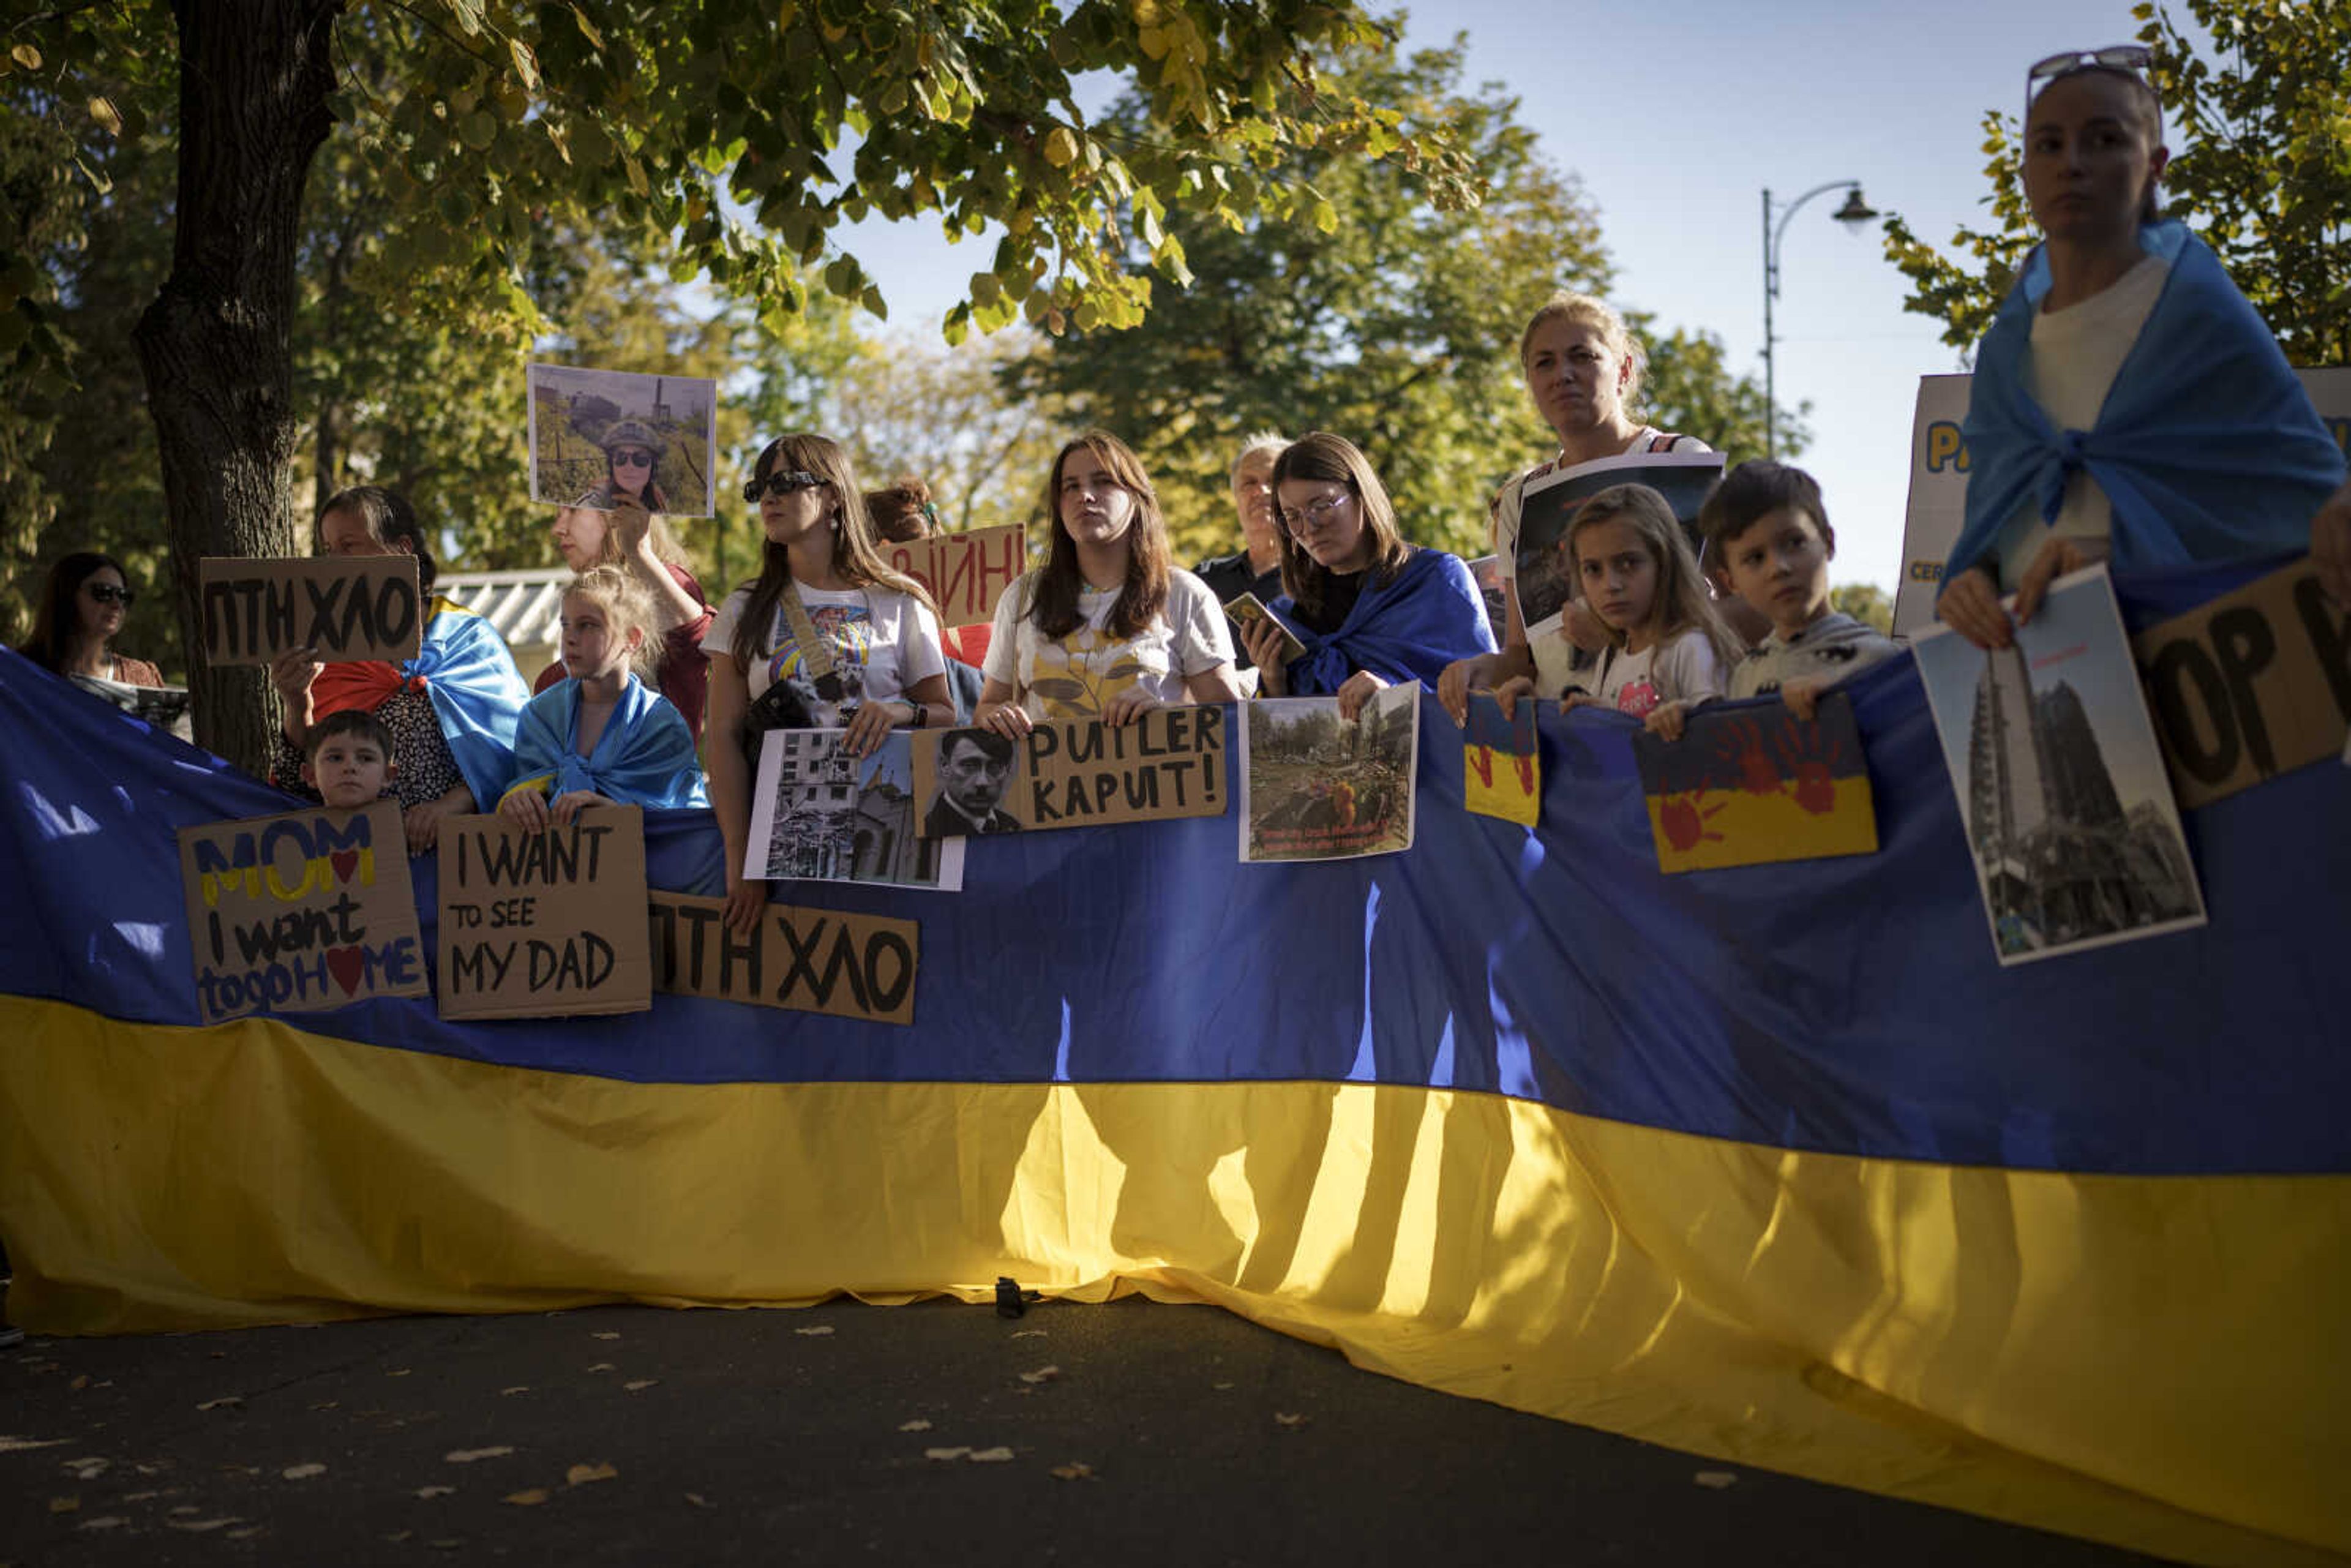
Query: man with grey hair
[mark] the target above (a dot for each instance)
(1257, 566)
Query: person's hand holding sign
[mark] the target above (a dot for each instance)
(526, 809)
(1357, 691)
(291, 674)
(568, 805)
(424, 821)
(1129, 705)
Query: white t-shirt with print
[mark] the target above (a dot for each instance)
(883, 642)
(1075, 676)
(1679, 669)
(2076, 354)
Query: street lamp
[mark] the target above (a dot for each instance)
(1853, 215)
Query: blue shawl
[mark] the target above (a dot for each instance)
(2207, 447)
(478, 693)
(1408, 631)
(644, 757)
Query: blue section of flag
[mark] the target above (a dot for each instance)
(1852, 1006)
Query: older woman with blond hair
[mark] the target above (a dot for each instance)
(1583, 370)
(1370, 608)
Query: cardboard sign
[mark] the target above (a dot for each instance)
(806, 960)
(348, 608)
(1168, 762)
(2254, 683)
(1938, 480)
(1753, 784)
(1315, 787)
(547, 924)
(964, 573)
(1501, 774)
(301, 912)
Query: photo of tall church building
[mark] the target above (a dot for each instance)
(2063, 859)
(828, 815)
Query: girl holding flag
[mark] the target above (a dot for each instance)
(451, 711)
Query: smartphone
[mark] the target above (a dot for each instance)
(1245, 609)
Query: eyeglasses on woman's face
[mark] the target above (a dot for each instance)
(110, 593)
(632, 457)
(787, 482)
(1296, 521)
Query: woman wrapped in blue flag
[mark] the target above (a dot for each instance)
(451, 710)
(1371, 608)
(601, 736)
(2129, 402)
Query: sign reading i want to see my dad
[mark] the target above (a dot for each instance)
(347, 608)
(302, 912)
(544, 924)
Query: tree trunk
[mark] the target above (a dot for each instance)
(216, 345)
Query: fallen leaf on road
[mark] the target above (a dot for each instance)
(400, 1536)
(397, 1371)
(916, 1425)
(198, 1526)
(187, 1508)
(1042, 1374)
(1714, 1480)
(580, 1475)
(88, 1470)
(64, 1504)
(1073, 1472)
(18, 1445)
(1028, 1334)
(640, 1383)
(530, 1499)
(607, 1334)
(695, 1499)
(1220, 1387)
(467, 1456)
(247, 1533)
(451, 1544)
(434, 1491)
(104, 1521)
(79, 1384)
(990, 1455)
(819, 1328)
(602, 1366)
(1284, 1418)
(946, 1453)
(302, 1472)
(326, 1404)
(141, 1496)
(222, 1403)
(517, 1388)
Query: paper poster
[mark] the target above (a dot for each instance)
(1486, 571)
(1751, 784)
(806, 960)
(964, 573)
(598, 435)
(1938, 481)
(165, 707)
(2248, 686)
(818, 814)
(1501, 773)
(544, 924)
(348, 608)
(301, 912)
(1545, 577)
(2062, 788)
(1167, 762)
(1315, 787)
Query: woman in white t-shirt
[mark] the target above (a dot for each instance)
(1582, 370)
(876, 664)
(1107, 627)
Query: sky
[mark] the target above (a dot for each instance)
(1676, 121)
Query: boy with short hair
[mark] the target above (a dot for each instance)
(1768, 540)
(348, 758)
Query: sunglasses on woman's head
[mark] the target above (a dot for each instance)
(2132, 58)
(627, 459)
(107, 593)
(790, 482)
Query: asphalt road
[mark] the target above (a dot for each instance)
(1129, 1433)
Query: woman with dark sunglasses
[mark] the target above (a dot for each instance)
(2128, 402)
(632, 454)
(82, 608)
(828, 636)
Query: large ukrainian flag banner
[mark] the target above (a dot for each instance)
(1774, 1165)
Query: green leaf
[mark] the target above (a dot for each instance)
(1061, 148)
(586, 28)
(478, 129)
(26, 55)
(526, 63)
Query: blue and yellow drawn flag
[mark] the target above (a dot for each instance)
(1502, 775)
(1751, 783)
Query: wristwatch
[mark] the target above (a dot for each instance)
(922, 714)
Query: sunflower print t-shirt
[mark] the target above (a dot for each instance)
(1077, 675)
